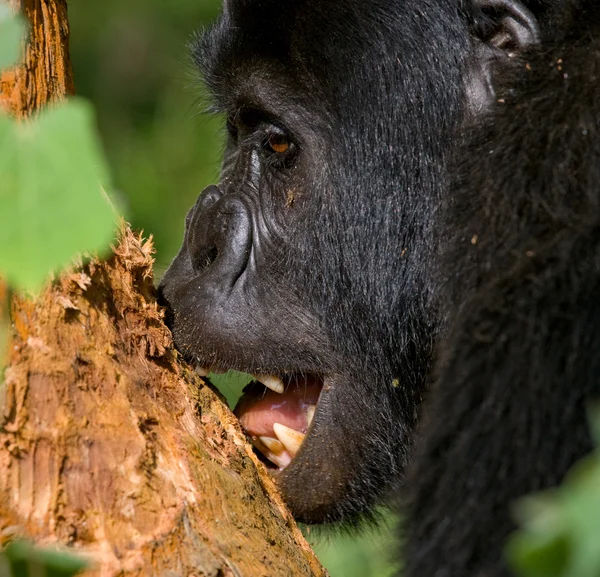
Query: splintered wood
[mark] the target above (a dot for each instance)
(109, 444)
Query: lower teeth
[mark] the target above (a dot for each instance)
(280, 460)
(281, 450)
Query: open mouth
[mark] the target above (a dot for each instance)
(276, 413)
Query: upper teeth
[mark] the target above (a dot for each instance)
(310, 413)
(271, 382)
(203, 371)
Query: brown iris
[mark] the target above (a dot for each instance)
(279, 143)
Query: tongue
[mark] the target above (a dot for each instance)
(259, 408)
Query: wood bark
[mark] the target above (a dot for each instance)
(45, 75)
(109, 443)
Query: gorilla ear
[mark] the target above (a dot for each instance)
(506, 28)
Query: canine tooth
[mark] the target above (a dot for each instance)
(310, 413)
(271, 382)
(281, 461)
(274, 445)
(290, 438)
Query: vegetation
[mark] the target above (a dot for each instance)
(561, 528)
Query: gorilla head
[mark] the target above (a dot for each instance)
(310, 264)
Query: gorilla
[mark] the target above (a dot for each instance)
(404, 250)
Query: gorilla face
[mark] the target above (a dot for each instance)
(308, 264)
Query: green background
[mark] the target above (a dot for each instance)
(131, 60)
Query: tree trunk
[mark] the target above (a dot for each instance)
(109, 443)
(45, 75)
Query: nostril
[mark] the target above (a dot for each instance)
(204, 258)
(218, 238)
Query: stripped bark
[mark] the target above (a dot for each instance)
(45, 75)
(109, 443)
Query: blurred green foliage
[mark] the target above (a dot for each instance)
(131, 59)
(22, 559)
(230, 384)
(12, 30)
(370, 553)
(52, 170)
(560, 535)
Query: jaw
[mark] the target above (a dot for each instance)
(315, 483)
(329, 467)
(354, 452)
(292, 429)
(339, 434)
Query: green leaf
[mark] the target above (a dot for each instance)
(12, 32)
(560, 535)
(543, 554)
(25, 560)
(51, 202)
(594, 418)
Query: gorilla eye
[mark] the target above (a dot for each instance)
(278, 143)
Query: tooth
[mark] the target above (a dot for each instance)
(310, 413)
(203, 371)
(290, 438)
(272, 444)
(282, 460)
(271, 382)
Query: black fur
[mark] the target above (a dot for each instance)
(403, 217)
(521, 361)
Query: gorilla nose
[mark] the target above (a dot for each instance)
(218, 234)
